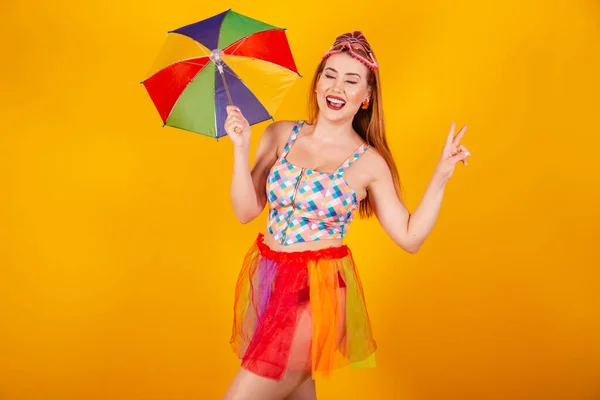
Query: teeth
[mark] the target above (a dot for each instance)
(335, 101)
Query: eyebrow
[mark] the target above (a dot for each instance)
(349, 73)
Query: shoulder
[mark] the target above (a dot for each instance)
(280, 128)
(375, 163)
(374, 158)
(278, 132)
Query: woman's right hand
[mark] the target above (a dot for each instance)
(237, 127)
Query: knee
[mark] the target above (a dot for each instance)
(235, 395)
(243, 387)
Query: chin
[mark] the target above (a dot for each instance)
(335, 116)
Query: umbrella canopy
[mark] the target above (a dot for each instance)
(226, 59)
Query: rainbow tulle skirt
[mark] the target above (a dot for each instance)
(300, 311)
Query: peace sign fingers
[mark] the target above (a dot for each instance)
(452, 141)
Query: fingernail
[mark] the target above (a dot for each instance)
(468, 154)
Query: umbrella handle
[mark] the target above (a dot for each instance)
(225, 84)
(237, 130)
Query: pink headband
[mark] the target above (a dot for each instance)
(354, 41)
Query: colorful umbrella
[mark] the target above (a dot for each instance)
(201, 66)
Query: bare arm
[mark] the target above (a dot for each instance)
(409, 231)
(391, 212)
(248, 194)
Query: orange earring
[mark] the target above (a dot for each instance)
(365, 104)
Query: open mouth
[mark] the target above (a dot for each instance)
(335, 103)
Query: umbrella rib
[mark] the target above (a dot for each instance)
(266, 61)
(240, 43)
(247, 59)
(201, 48)
(232, 74)
(188, 61)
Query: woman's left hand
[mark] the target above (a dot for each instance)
(453, 153)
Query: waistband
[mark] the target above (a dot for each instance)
(327, 253)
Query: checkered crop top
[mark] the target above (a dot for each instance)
(305, 204)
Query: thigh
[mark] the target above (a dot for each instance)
(300, 349)
(306, 391)
(249, 386)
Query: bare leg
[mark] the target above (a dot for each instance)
(306, 391)
(249, 386)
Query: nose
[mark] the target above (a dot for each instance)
(337, 86)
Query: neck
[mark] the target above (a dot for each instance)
(332, 130)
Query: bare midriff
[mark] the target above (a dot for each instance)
(301, 246)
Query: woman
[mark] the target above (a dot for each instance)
(299, 306)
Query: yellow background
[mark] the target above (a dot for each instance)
(119, 250)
